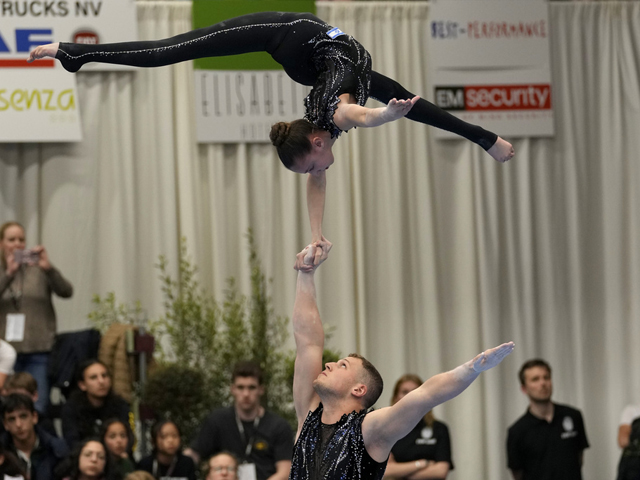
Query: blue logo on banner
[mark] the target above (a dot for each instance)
(335, 32)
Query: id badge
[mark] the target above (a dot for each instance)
(247, 471)
(15, 327)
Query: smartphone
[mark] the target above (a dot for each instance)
(26, 256)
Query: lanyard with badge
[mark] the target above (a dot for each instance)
(14, 331)
(172, 466)
(247, 471)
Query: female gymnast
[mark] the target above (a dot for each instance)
(312, 53)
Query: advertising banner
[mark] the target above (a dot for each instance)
(25, 24)
(39, 108)
(239, 97)
(490, 65)
(38, 101)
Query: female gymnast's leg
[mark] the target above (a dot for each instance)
(384, 89)
(248, 33)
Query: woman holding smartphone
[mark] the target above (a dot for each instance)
(27, 316)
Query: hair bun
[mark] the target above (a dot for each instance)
(279, 133)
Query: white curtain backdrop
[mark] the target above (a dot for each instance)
(439, 251)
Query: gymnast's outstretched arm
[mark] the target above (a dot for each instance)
(316, 191)
(382, 428)
(349, 114)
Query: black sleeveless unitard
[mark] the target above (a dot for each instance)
(312, 53)
(340, 455)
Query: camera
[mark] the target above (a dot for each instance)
(26, 256)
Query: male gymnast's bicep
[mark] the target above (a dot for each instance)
(382, 428)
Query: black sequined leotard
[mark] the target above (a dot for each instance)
(333, 452)
(311, 51)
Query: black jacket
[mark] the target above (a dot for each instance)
(44, 458)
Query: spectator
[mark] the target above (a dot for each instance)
(425, 453)
(222, 466)
(88, 461)
(167, 460)
(117, 437)
(262, 440)
(8, 357)
(27, 317)
(24, 383)
(629, 441)
(548, 441)
(38, 451)
(10, 467)
(93, 404)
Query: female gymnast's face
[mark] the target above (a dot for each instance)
(320, 158)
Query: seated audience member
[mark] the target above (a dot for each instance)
(222, 466)
(93, 404)
(10, 467)
(24, 383)
(167, 459)
(118, 439)
(88, 461)
(38, 451)
(629, 441)
(425, 453)
(262, 440)
(8, 357)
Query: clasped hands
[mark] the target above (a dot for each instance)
(313, 255)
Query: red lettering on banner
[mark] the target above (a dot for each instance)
(489, 30)
(86, 37)
(508, 97)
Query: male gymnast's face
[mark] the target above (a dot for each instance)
(339, 379)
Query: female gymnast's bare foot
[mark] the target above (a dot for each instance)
(49, 50)
(501, 151)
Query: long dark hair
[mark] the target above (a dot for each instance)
(157, 428)
(70, 467)
(130, 437)
(292, 140)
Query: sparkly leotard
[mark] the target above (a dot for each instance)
(339, 454)
(311, 51)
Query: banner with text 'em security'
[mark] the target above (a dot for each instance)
(490, 64)
(39, 101)
(239, 97)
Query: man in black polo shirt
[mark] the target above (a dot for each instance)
(547, 442)
(260, 439)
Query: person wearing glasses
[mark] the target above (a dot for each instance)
(222, 466)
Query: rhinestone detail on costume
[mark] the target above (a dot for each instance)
(344, 66)
(344, 458)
